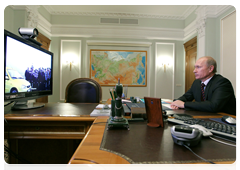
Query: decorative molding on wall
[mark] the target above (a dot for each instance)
(157, 76)
(201, 20)
(125, 15)
(190, 30)
(189, 11)
(212, 11)
(208, 11)
(32, 15)
(118, 43)
(74, 73)
(201, 24)
(117, 32)
(44, 25)
(114, 31)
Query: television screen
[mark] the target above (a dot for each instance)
(27, 69)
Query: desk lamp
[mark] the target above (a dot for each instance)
(116, 119)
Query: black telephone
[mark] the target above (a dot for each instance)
(185, 135)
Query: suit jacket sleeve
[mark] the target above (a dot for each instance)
(218, 93)
(193, 93)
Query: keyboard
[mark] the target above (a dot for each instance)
(141, 105)
(219, 129)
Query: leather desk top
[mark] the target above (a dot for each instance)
(55, 110)
(143, 144)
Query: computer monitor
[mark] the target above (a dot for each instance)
(28, 71)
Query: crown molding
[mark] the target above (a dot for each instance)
(109, 31)
(211, 11)
(189, 11)
(190, 30)
(117, 32)
(127, 15)
(44, 25)
(118, 43)
(18, 7)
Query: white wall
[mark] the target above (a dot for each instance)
(164, 70)
(228, 48)
(70, 63)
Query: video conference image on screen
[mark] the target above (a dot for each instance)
(27, 69)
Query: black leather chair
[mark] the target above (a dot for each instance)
(83, 90)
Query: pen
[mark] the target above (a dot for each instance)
(111, 93)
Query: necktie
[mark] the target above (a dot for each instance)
(202, 91)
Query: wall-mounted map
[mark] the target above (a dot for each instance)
(130, 66)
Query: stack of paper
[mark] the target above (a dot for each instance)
(102, 112)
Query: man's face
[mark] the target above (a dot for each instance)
(202, 71)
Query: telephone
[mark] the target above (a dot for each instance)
(185, 135)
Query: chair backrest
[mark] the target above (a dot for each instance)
(83, 90)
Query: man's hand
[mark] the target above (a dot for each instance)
(177, 104)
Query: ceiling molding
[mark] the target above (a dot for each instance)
(189, 11)
(125, 14)
(212, 11)
(117, 32)
(44, 25)
(111, 31)
(118, 43)
(190, 30)
(18, 7)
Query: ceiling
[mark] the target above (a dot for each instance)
(154, 11)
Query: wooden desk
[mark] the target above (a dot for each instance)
(57, 127)
(89, 152)
(53, 121)
(58, 121)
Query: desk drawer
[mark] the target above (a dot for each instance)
(46, 130)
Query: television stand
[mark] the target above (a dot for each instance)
(24, 105)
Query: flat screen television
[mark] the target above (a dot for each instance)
(28, 71)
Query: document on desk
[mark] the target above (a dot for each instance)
(101, 106)
(167, 106)
(166, 103)
(101, 112)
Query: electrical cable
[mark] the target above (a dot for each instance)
(8, 103)
(222, 142)
(198, 155)
(224, 138)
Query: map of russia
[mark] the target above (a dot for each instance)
(130, 66)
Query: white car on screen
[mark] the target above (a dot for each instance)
(15, 83)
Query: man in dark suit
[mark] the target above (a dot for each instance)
(217, 96)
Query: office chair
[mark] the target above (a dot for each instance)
(83, 90)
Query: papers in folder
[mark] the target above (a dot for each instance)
(99, 111)
(101, 106)
(102, 112)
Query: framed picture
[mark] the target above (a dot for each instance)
(107, 66)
